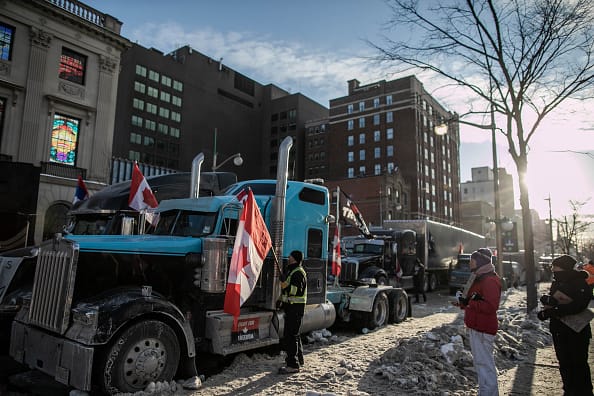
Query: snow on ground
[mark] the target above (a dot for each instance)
(427, 354)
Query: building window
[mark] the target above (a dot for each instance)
(153, 92)
(135, 138)
(361, 155)
(138, 104)
(362, 170)
(390, 133)
(350, 140)
(178, 86)
(141, 70)
(137, 121)
(166, 80)
(293, 114)
(389, 116)
(165, 96)
(362, 122)
(376, 119)
(163, 112)
(376, 103)
(377, 152)
(377, 169)
(390, 151)
(139, 87)
(72, 66)
(151, 108)
(164, 129)
(153, 75)
(64, 140)
(351, 173)
(361, 106)
(390, 166)
(134, 155)
(149, 141)
(388, 99)
(175, 116)
(176, 100)
(376, 136)
(350, 109)
(150, 125)
(350, 156)
(350, 125)
(6, 39)
(361, 138)
(174, 132)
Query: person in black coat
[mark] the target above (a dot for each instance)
(569, 294)
(419, 281)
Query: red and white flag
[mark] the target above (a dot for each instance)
(242, 196)
(141, 196)
(252, 244)
(336, 264)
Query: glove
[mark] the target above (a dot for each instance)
(544, 314)
(476, 297)
(545, 299)
(463, 300)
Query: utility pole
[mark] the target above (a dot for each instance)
(551, 227)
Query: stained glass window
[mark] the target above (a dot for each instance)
(72, 66)
(64, 140)
(6, 38)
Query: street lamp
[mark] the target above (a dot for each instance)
(237, 160)
(442, 129)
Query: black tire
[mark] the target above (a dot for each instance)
(432, 281)
(378, 316)
(144, 352)
(399, 305)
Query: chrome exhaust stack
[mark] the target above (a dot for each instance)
(195, 177)
(277, 218)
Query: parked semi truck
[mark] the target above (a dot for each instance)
(107, 211)
(437, 246)
(114, 312)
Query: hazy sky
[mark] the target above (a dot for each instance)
(315, 46)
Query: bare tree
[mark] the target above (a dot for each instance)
(523, 58)
(570, 229)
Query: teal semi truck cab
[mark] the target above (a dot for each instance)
(114, 312)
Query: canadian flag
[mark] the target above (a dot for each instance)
(336, 264)
(141, 196)
(252, 244)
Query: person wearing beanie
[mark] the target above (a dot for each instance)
(480, 317)
(294, 298)
(569, 295)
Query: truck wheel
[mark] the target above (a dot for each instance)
(379, 313)
(146, 351)
(432, 282)
(399, 305)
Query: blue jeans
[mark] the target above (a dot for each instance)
(481, 346)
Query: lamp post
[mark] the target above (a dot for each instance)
(237, 160)
(442, 129)
(551, 227)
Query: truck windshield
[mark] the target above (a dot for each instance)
(185, 223)
(365, 248)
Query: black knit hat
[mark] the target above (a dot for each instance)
(297, 255)
(482, 257)
(565, 262)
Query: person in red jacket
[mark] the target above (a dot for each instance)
(480, 317)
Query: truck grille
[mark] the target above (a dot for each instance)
(349, 270)
(53, 285)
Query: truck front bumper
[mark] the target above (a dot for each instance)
(68, 362)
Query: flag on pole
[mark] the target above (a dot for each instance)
(252, 244)
(141, 196)
(81, 193)
(336, 264)
(242, 196)
(352, 215)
